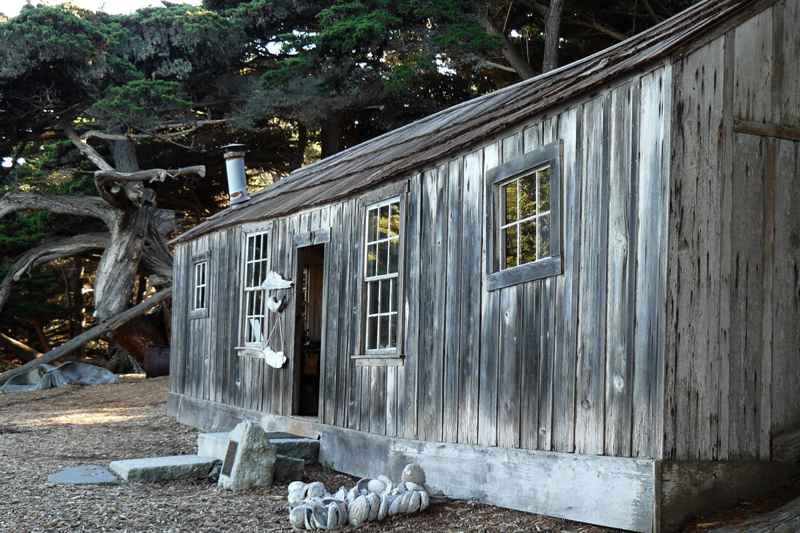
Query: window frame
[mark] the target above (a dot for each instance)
(199, 312)
(394, 193)
(496, 278)
(247, 232)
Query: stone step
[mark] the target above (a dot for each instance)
(163, 468)
(216, 445)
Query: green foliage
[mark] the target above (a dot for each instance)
(140, 105)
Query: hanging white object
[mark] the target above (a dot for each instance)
(275, 304)
(274, 281)
(265, 353)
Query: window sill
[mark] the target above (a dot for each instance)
(544, 268)
(198, 313)
(379, 360)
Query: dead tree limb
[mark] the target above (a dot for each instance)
(89, 335)
(86, 149)
(19, 349)
(152, 174)
(48, 252)
(87, 206)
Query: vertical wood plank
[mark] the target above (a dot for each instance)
(407, 388)
(332, 284)
(648, 390)
(594, 236)
(510, 337)
(568, 285)
(531, 337)
(453, 297)
(621, 269)
(471, 293)
(433, 271)
(490, 329)
(754, 67)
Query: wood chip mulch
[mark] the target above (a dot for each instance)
(45, 431)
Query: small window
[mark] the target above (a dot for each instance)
(254, 298)
(200, 283)
(523, 223)
(382, 276)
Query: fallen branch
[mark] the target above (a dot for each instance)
(19, 349)
(89, 335)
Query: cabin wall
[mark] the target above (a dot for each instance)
(571, 363)
(733, 298)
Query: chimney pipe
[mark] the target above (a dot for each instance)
(234, 168)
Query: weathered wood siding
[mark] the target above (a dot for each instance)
(733, 349)
(572, 363)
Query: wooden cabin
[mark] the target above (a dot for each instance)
(576, 296)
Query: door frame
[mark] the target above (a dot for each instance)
(305, 240)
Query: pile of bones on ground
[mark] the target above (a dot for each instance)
(311, 506)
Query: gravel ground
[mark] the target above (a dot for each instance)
(44, 431)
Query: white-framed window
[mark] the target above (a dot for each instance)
(256, 267)
(523, 222)
(382, 276)
(199, 294)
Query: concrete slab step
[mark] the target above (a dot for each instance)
(216, 445)
(163, 468)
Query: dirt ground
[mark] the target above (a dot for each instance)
(43, 432)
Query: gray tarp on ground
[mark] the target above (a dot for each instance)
(49, 377)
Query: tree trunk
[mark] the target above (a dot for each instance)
(552, 35)
(332, 134)
(510, 53)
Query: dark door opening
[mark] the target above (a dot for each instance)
(308, 328)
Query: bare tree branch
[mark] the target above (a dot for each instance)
(89, 335)
(86, 149)
(510, 53)
(48, 252)
(498, 66)
(597, 26)
(19, 349)
(153, 174)
(91, 206)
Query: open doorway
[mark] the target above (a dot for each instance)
(308, 329)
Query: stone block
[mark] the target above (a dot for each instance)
(288, 469)
(212, 444)
(297, 447)
(83, 475)
(163, 468)
(249, 458)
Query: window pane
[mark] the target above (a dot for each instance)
(383, 332)
(544, 190)
(510, 202)
(250, 247)
(393, 331)
(385, 303)
(372, 333)
(527, 196)
(394, 226)
(372, 297)
(509, 247)
(393, 299)
(527, 244)
(394, 256)
(383, 258)
(383, 223)
(372, 225)
(544, 236)
(372, 259)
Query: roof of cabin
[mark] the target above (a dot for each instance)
(400, 152)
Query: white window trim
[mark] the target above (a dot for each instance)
(200, 288)
(368, 280)
(246, 290)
